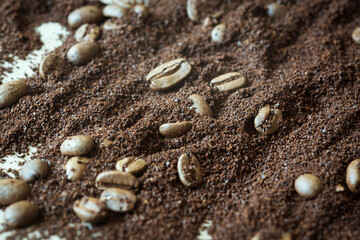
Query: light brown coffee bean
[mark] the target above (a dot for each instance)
(268, 120)
(21, 214)
(91, 210)
(77, 145)
(114, 11)
(356, 35)
(123, 3)
(277, 235)
(13, 190)
(276, 10)
(173, 130)
(308, 186)
(75, 168)
(192, 11)
(86, 14)
(131, 165)
(87, 32)
(82, 52)
(189, 170)
(168, 74)
(218, 33)
(116, 179)
(229, 82)
(110, 25)
(11, 91)
(33, 170)
(141, 11)
(353, 176)
(51, 64)
(118, 200)
(200, 105)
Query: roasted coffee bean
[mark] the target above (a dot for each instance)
(356, 35)
(131, 165)
(218, 33)
(33, 170)
(276, 10)
(118, 200)
(82, 52)
(110, 24)
(353, 176)
(273, 235)
(116, 179)
(90, 209)
(189, 170)
(192, 11)
(200, 105)
(173, 130)
(21, 214)
(168, 74)
(87, 14)
(87, 32)
(228, 82)
(308, 186)
(75, 168)
(268, 120)
(11, 91)
(122, 3)
(114, 11)
(12, 190)
(141, 11)
(77, 145)
(50, 64)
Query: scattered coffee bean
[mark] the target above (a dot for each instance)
(77, 145)
(353, 176)
(229, 82)
(86, 14)
(192, 11)
(131, 165)
(11, 91)
(82, 52)
(122, 3)
(75, 168)
(33, 170)
(189, 170)
(308, 186)
(276, 10)
(200, 105)
(21, 214)
(87, 32)
(50, 64)
(118, 200)
(218, 33)
(356, 35)
(268, 120)
(13, 190)
(116, 179)
(90, 209)
(114, 11)
(141, 11)
(168, 74)
(173, 130)
(274, 235)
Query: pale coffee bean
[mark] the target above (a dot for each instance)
(173, 130)
(13, 190)
(200, 105)
(86, 14)
(116, 179)
(114, 11)
(118, 200)
(110, 25)
(189, 170)
(82, 52)
(123, 3)
(277, 235)
(91, 210)
(77, 145)
(141, 11)
(75, 168)
(50, 64)
(308, 186)
(21, 214)
(229, 82)
(168, 74)
(87, 32)
(131, 165)
(268, 120)
(356, 35)
(11, 91)
(192, 11)
(276, 10)
(33, 170)
(353, 176)
(218, 33)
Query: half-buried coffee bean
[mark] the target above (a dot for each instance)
(75, 168)
(173, 130)
(50, 64)
(86, 14)
(268, 120)
(11, 91)
(114, 11)
(228, 82)
(116, 179)
(77, 145)
(118, 200)
(87, 32)
(82, 52)
(200, 105)
(131, 165)
(13, 190)
(90, 209)
(21, 214)
(33, 170)
(353, 176)
(189, 170)
(308, 186)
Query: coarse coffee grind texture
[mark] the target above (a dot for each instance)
(304, 62)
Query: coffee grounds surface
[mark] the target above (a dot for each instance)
(305, 63)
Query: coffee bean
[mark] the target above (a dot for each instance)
(277, 234)
(308, 186)
(82, 52)
(77, 145)
(111, 25)
(75, 168)
(189, 170)
(200, 105)
(168, 74)
(11, 91)
(268, 120)
(114, 11)
(50, 64)
(229, 82)
(21, 214)
(353, 176)
(86, 14)
(141, 11)
(33, 170)
(131, 165)
(122, 3)
(87, 32)
(90, 209)
(218, 33)
(116, 179)
(12, 190)
(118, 200)
(356, 35)
(192, 11)
(173, 130)
(276, 10)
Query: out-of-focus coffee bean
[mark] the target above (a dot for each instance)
(33, 170)
(118, 200)
(353, 176)
(11, 91)
(82, 52)
(50, 64)
(114, 11)
(13, 190)
(276, 10)
(173, 130)
(90, 209)
(218, 33)
(86, 14)
(87, 32)
(21, 214)
(308, 186)
(131, 165)
(116, 179)
(75, 168)
(77, 145)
